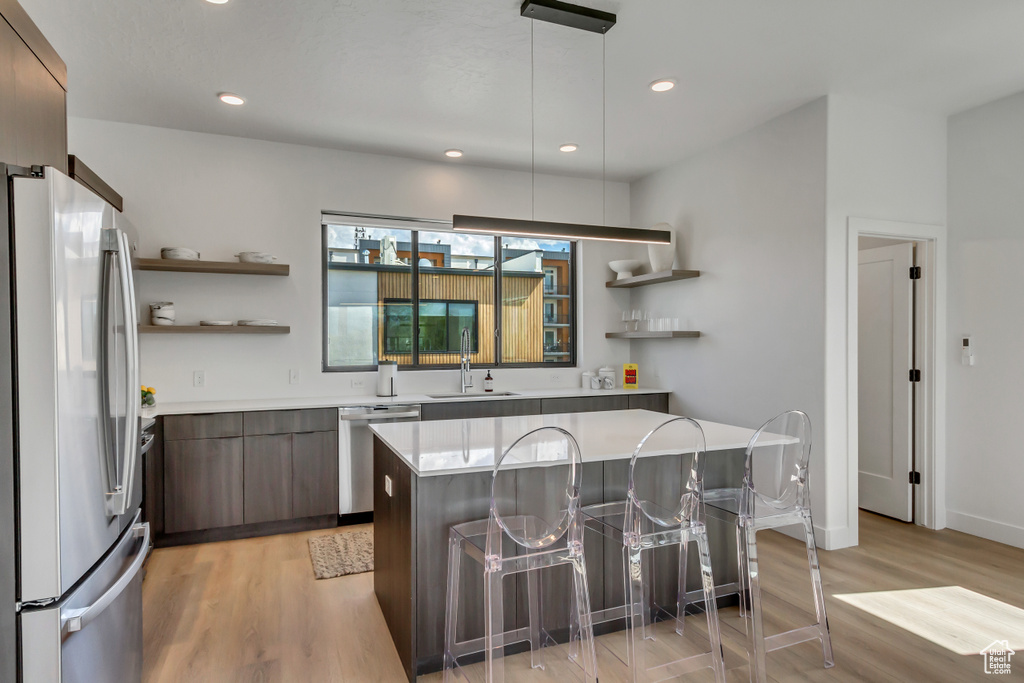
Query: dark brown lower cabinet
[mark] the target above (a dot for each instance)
(202, 484)
(314, 475)
(268, 478)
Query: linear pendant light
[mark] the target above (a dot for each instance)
(524, 228)
(586, 19)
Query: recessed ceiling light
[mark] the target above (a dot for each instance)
(663, 85)
(217, 2)
(453, 153)
(230, 98)
(569, 147)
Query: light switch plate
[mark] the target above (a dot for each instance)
(387, 485)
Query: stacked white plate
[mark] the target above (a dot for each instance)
(258, 323)
(179, 254)
(216, 323)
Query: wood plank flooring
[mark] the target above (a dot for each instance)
(251, 610)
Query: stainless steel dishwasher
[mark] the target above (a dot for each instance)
(355, 451)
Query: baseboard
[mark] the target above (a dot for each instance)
(234, 533)
(1001, 532)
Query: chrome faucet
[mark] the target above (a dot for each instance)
(464, 349)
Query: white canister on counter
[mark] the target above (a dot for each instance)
(607, 375)
(586, 380)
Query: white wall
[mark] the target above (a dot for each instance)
(986, 401)
(750, 215)
(883, 163)
(764, 216)
(221, 195)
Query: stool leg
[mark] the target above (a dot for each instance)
(637, 596)
(681, 590)
(452, 611)
(757, 653)
(536, 639)
(741, 570)
(711, 606)
(586, 626)
(494, 627)
(819, 594)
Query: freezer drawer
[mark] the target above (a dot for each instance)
(95, 634)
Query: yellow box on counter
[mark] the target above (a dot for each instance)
(629, 376)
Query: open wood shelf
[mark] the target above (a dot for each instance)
(214, 329)
(677, 334)
(653, 278)
(229, 267)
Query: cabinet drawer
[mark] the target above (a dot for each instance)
(656, 402)
(202, 484)
(483, 408)
(584, 404)
(208, 426)
(291, 421)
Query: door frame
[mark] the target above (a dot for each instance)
(930, 321)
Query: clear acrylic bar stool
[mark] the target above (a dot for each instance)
(515, 540)
(774, 494)
(664, 507)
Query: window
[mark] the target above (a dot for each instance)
(441, 324)
(404, 290)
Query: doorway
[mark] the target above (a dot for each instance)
(886, 302)
(926, 454)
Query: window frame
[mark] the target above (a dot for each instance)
(415, 226)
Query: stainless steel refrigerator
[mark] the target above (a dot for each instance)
(75, 414)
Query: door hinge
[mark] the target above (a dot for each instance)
(915, 272)
(915, 477)
(915, 375)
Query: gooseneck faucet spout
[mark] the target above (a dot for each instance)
(464, 349)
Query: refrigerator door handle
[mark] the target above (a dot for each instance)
(73, 620)
(134, 401)
(124, 463)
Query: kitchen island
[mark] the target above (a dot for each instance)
(429, 476)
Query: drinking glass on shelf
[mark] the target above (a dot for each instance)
(675, 324)
(627, 318)
(637, 317)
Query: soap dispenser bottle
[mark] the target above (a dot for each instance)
(488, 382)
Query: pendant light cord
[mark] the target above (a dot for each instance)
(604, 127)
(533, 130)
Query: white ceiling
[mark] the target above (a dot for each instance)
(415, 77)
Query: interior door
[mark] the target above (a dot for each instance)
(885, 355)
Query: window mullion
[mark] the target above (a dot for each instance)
(498, 308)
(414, 297)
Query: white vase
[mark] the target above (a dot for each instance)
(662, 256)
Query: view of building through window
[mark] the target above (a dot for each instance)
(374, 313)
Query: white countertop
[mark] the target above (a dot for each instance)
(460, 446)
(195, 407)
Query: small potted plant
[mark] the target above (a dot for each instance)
(148, 397)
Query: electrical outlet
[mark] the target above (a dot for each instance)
(358, 383)
(387, 484)
(555, 378)
(199, 378)
(293, 376)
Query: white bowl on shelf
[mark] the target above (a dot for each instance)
(624, 268)
(255, 257)
(179, 254)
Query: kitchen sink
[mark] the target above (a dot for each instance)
(474, 396)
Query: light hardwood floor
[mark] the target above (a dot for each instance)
(251, 611)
